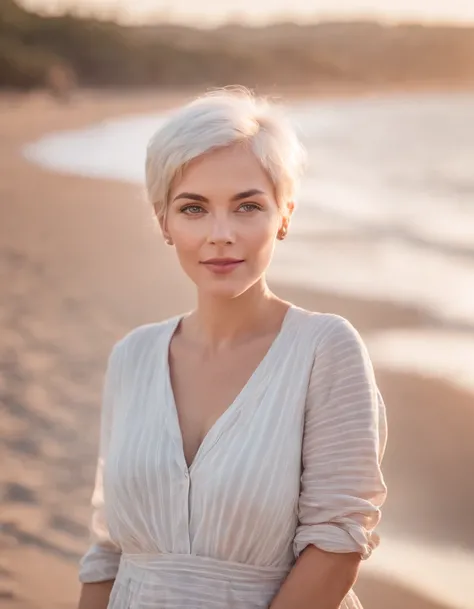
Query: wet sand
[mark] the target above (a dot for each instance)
(80, 265)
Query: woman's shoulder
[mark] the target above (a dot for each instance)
(328, 332)
(326, 326)
(336, 345)
(143, 337)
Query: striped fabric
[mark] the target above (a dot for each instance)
(294, 460)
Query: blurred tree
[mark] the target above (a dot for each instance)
(35, 49)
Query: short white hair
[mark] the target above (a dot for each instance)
(219, 119)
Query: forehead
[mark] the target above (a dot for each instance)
(231, 169)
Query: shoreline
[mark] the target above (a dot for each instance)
(321, 88)
(70, 251)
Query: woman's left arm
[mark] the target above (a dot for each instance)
(318, 580)
(342, 486)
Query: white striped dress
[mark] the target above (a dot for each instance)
(294, 460)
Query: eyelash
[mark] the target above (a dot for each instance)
(253, 206)
(186, 208)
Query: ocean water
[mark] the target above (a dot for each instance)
(385, 212)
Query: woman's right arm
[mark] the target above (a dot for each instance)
(96, 595)
(99, 566)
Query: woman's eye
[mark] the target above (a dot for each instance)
(191, 209)
(246, 207)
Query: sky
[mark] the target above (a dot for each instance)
(210, 12)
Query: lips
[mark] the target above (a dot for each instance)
(222, 261)
(222, 265)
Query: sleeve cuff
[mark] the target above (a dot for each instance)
(98, 564)
(336, 538)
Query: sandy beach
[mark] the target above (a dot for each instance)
(80, 265)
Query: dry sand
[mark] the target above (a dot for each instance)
(79, 267)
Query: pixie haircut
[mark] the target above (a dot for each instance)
(219, 119)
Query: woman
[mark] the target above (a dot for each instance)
(241, 443)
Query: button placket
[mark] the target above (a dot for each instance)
(187, 504)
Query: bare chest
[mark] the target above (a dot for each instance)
(204, 388)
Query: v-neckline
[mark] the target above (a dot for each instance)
(214, 432)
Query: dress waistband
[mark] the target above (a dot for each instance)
(193, 582)
(209, 568)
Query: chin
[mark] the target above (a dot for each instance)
(224, 289)
(228, 293)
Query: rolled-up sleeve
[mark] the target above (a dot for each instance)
(342, 486)
(101, 561)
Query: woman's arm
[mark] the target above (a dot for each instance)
(100, 564)
(319, 580)
(342, 487)
(96, 595)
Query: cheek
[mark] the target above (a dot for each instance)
(187, 235)
(261, 235)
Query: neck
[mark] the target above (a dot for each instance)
(220, 322)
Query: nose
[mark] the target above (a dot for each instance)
(221, 231)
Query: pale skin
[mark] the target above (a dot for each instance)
(224, 206)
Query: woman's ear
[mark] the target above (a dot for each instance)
(285, 221)
(164, 230)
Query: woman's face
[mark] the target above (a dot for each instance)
(223, 219)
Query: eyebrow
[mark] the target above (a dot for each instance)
(238, 197)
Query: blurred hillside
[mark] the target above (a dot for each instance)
(104, 54)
